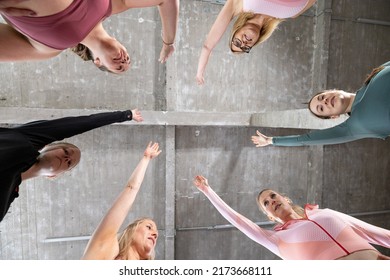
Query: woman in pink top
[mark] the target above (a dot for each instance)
(256, 20)
(304, 234)
(42, 29)
(138, 240)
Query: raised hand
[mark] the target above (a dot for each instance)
(137, 115)
(166, 52)
(152, 150)
(200, 79)
(201, 183)
(260, 140)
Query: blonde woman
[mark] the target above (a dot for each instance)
(256, 20)
(307, 233)
(138, 240)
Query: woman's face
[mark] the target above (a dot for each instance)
(145, 238)
(246, 37)
(275, 205)
(113, 56)
(329, 104)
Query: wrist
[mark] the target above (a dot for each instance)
(167, 43)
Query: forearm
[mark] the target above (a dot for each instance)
(119, 210)
(44, 132)
(138, 174)
(203, 60)
(169, 13)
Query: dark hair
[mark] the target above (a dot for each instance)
(373, 74)
(308, 106)
(85, 54)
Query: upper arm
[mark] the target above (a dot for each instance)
(220, 25)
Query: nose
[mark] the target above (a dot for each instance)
(326, 101)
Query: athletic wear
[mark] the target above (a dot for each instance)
(19, 146)
(65, 29)
(275, 8)
(370, 117)
(324, 234)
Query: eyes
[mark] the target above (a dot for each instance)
(266, 202)
(67, 155)
(320, 108)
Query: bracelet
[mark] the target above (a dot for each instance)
(165, 43)
(169, 45)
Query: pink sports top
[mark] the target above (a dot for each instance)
(324, 234)
(275, 8)
(65, 29)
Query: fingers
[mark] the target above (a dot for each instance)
(200, 80)
(137, 115)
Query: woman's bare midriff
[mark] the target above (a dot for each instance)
(364, 255)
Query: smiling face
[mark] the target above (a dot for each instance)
(330, 103)
(276, 206)
(58, 158)
(246, 37)
(145, 238)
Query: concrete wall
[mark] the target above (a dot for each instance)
(202, 130)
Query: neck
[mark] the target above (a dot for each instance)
(95, 37)
(259, 19)
(133, 254)
(32, 172)
(350, 98)
(292, 216)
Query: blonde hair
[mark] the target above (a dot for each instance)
(85, 54)
(297, 209)
(126, 239)
(269, 26)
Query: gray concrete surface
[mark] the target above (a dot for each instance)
(202, 130)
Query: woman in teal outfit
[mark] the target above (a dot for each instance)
(368, 110)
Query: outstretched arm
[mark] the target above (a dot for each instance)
(338, 134)
(169, 13)
(264, 237)
(260, 140)
(104, 243)
(45, 132)
(219, 27)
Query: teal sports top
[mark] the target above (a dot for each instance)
(369, 118)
